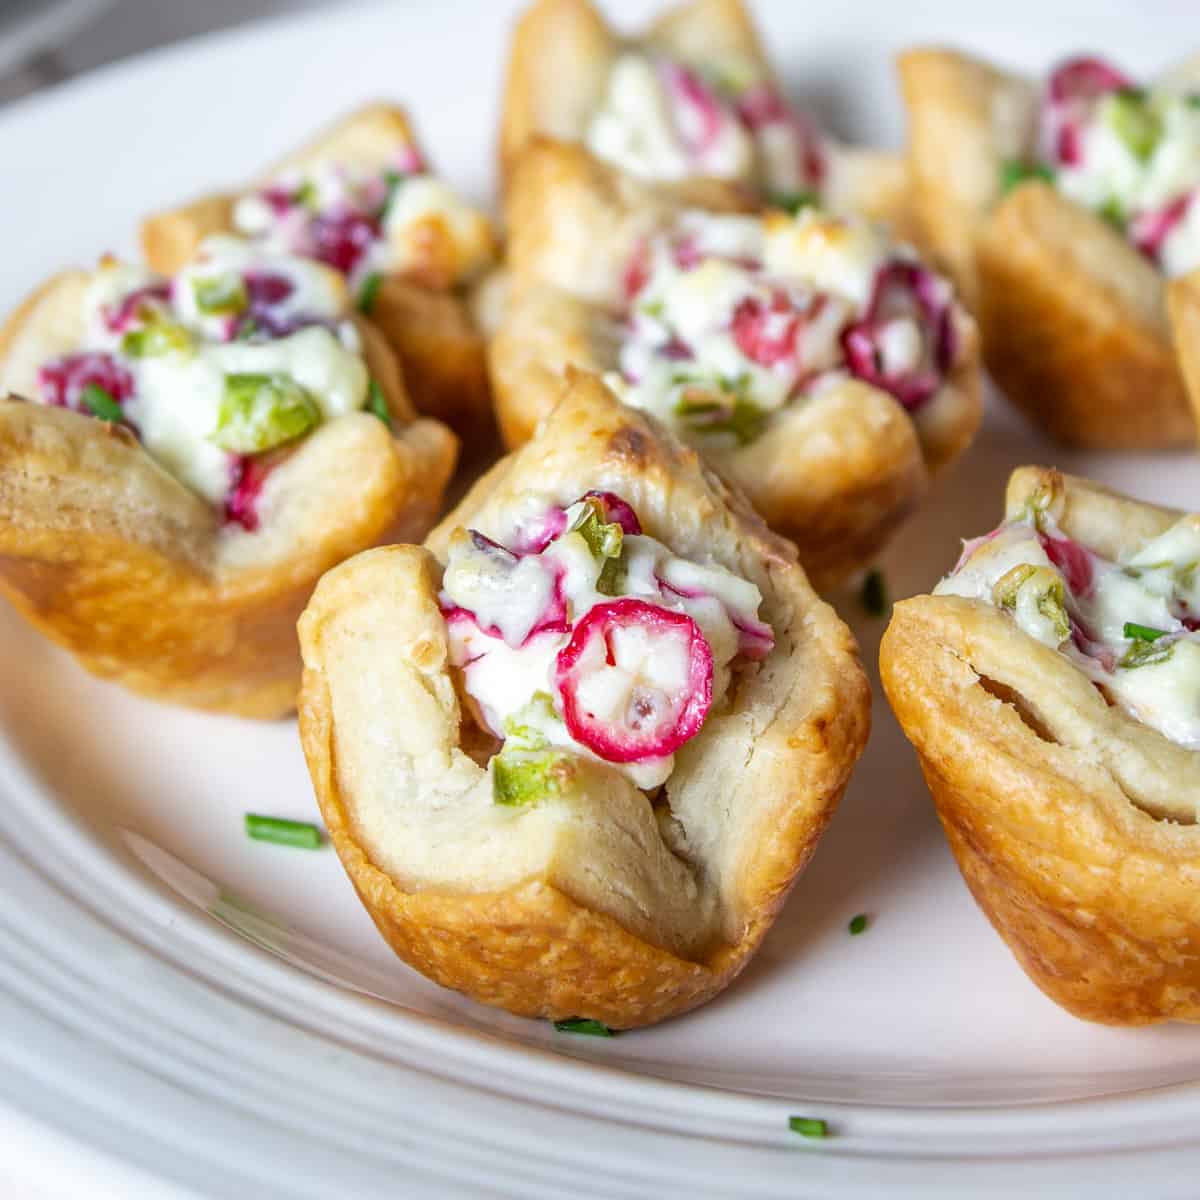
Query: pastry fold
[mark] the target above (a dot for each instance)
(113, 558)
(1073, 318)
(423, 313)
(1073, 824)
(595, 903)
(837, 473)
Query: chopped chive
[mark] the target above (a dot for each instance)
(369, 291)
(809, 1127)
(378, 405)
(1143, 633)
(874, 593)
(584, 1025)
(858, 924)
(793, 202)
(282, 832)
(102, 404)
(248, 329)
(1192, 100)
(1014, 172)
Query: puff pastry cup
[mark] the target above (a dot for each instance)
(567, 68)
(1071, 815)
(1072, 312)
(836, 469)
(366, 181)
(146, 580)
(590, 899)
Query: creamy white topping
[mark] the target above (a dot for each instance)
(1131, 155)
(175, 341)
(365, 221)
(1130, 626)
(666, 120)
(509, 617)
(732, 318)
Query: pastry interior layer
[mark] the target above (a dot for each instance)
(1125, 615)
(219, 371)
(611, 691)
(730, 319)
(1128, 153)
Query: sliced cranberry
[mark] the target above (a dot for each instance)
(687, 253)
(690, 92)
(763, 105)
(637, 273)
(248, 473)
(1085, 79)
(904, 290)
(766, 334)
(535, 537)
(655, 723)
(279, 199)
(1068, 146)
(409, 161)
(1072, 559)
(130, 309)
(266, 288)
(62, 381)
(342, 238)
(1150, 230)
(675, 350)
(756, 639)
(616, 511)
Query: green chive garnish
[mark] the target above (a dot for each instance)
(102, 404)
(584, 1025)
(1014, 172)
(283, 832)
(858, 924)
(1143, 633)
(810, 1127)
(368, 292)
(248, 330)
(874, 593)
(378, 405)
(793, 202)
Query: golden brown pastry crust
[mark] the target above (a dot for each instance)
(108, 555)
(535, 948)
(1072, 317)
(1183, 306)
(426, 320)
(1055, 803)
(837, 474)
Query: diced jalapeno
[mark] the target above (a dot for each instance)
(725, 410)
(1145, 654)
(1133, 121)
(604, 539)
(521, 777)
(1035, 596)
(259, 412)
(161, 337)
(223, 295)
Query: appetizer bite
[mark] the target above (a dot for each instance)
(823, 368)
(694, 96)
(575, 751)
(362, 199)
(1062, 212)
(181, 459)
(1051, 687)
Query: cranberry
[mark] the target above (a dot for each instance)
(766, 334)
(62, 381)
(267, 288)
(689, 90)
(1085, 79)
(341, 239)
(248, 474)
(130, 308)
(763, 105)
(637, 273)
(1151, 229)
(1072, 559)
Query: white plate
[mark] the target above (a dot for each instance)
(303, 1058)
